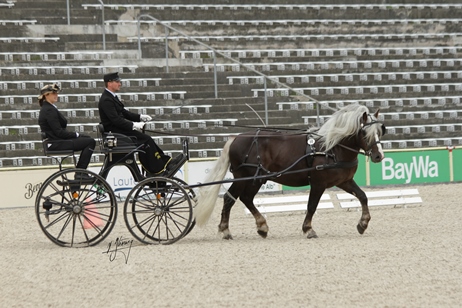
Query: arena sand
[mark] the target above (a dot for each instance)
(409, 257)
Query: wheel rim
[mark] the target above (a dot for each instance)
(158, 211)
(76, 213)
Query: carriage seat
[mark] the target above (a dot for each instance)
(59, 155)
(122, 143)
(46, 141)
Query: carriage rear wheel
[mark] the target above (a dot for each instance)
(76, 208)
(158, 211)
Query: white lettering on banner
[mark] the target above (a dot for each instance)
(419, 167)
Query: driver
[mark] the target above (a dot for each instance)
(116, 119)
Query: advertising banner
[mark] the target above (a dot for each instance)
(457, 164)
(199, 171)
(20, 186)
(411, 167)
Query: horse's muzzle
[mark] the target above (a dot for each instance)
(377, 157)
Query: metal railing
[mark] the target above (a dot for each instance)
(103, 28)
(68, 13)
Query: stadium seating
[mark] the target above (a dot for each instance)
(401, 58)
(237, 6)
(317, 52)
(44, 55)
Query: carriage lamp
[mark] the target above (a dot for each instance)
(111, 141)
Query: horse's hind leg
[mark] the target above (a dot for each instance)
(228, 201)
(313, 201)
(352, 188)
(246, 193)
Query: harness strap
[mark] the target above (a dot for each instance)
(340, 164)
(259, 167)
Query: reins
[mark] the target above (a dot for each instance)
(297, 132)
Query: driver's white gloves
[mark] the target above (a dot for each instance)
(145, 118)
(138, 125)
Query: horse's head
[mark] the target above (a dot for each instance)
(369, 136)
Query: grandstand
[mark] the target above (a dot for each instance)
(402, 58)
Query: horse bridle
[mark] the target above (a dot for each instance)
(368, 152)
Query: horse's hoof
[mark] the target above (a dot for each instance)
(311, 234)
(227, 237)
(360, 229)
(263, 234)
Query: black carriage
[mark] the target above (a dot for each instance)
(78, 208)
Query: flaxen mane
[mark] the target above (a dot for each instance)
(344, 123)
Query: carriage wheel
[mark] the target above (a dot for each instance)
(74, 211)
(158, 211)
(192, 196)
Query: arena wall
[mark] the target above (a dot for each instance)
(436, 165)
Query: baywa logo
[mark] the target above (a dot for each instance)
(420, 167)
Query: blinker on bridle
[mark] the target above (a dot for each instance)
(372, 122)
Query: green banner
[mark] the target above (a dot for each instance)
(457, 163)
(408, 167)
(412, 167)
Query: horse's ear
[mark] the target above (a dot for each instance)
(364, 118)
(376, 114)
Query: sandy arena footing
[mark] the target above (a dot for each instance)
(409, 257)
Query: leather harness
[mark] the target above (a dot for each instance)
(309, 156)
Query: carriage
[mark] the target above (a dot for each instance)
(78, 208)
(159, 210)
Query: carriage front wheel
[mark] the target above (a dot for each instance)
(158, 211)
(76, 208)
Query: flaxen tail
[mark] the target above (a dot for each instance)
(208, 195)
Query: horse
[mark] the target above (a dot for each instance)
(320, 157)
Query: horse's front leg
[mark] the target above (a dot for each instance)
(247, 198)
(353, 188)
(313, 201)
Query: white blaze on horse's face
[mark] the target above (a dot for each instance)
(379, 147)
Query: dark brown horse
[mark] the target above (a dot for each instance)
(322, 158)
